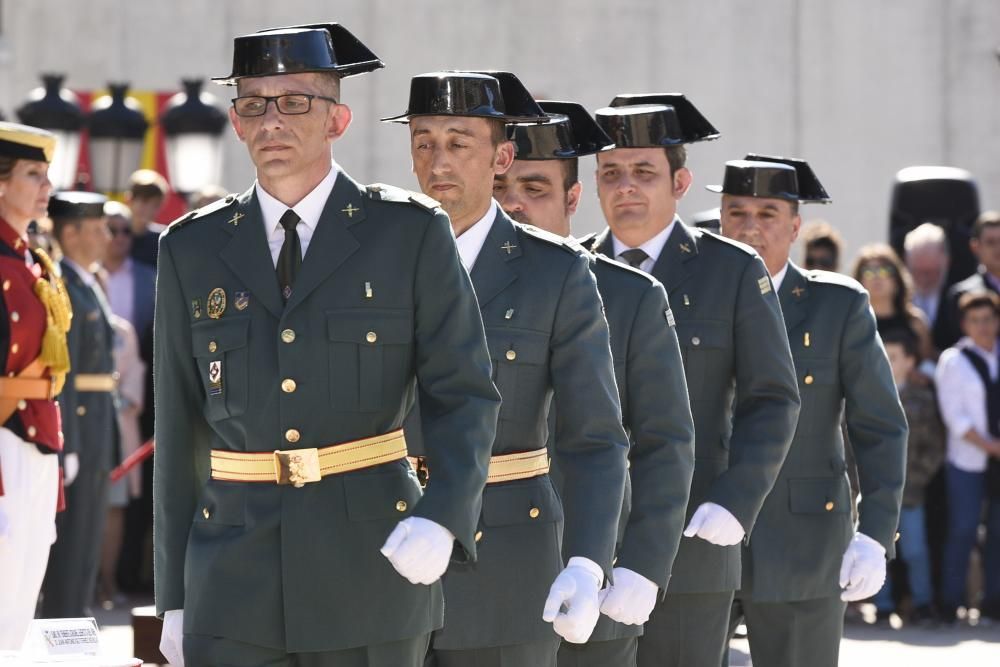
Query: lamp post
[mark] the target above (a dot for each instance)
(193, 125)
(54, 108)
(117, 130)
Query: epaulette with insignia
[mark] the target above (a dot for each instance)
(564, 243)
(197, 214)
(834, 278)
(383, 192)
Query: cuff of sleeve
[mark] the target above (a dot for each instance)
(590, 566)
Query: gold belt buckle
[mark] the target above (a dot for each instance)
(297, 467)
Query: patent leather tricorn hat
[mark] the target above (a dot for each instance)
(570, 132)
(319, 47)
(487, 94)
(651, 120)
(769, 177)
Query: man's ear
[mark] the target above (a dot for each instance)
(796, 226)
(682, 182)
(573, 198)
(340, 120)
(234, 120)
(504, 157)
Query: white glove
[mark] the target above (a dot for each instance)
(715, 524)
(172, 637)
(576, 588)
(630, 600)
(71, 468)
(862, 572)
(419, 549)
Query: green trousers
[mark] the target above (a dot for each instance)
(609, 653)
(687, 630)
(532, 654)
(791, 634)
(206, 651)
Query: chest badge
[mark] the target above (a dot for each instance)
(369, 293)
(798, 292)
(235, 220)
(350, 210)
(241, 300)
(214, 378)
(509, 314)
(216, 303)
(196, 308)
(685, 248)
(764, 284)
(508, 246)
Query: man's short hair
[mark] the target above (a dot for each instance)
(571, 172)
(927, 235)
(979, 298)
(821, 234)
(498, 131)
(147, 184)
(677, 158)
(985, 221)
(61, 223)
(905, 337)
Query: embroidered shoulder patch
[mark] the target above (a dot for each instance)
(669, 314)
(764, 284)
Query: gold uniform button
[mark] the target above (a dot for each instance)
(534, 512)
(288, 385)
(292, 435)
(15, 316)
(14, 348)
(288, 336)
(81, 410)
(205, 513)
(212, 347)
(829, 506)
(32, 431)
(22, 404)
(479, 535)
(371, 337)
(401, 506)
(511, 355)
(808, 379)
(895, 538)
(696, 341)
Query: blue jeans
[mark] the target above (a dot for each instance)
(913, 551)
(966, 493)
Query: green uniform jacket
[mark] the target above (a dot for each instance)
(657, 416)
(299, 568)
(741, 382)
(549, 344)
(797, 546)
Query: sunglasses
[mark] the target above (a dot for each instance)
(824, 262)
(120, 231)
(878, 272)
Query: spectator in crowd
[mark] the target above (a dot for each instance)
(146, 194)
(823, 246)
(131, 283)
(927, 258)
(985, 244)
(207, 195)
(880, 271)
(40, 236)
(925, 453)
(969, 397)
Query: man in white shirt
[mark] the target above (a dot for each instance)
(969, 396)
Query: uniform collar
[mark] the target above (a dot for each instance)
(653, 247)
(309, 208)
(86, 276)
(470, 243)
(10, 237)
(779, 277)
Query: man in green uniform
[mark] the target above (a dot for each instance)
(549, 343)
(542, 188)
(294, 324)
(740, 376)
(805, 557)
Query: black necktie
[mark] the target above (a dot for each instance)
(290, 257)
(634, 257)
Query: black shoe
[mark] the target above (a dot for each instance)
(883, 619)
(924, 616)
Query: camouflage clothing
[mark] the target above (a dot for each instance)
(926, 443)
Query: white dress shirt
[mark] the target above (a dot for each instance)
(779, 278)
(472, 239)
(309, 209)
(121, 291)
(962, 399)
(653, 247)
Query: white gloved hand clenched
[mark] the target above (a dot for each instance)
(715, 524)
(71, 468)
(576, 588)
(419, 549)
(630, 600)
(172, 637)
(862, 572)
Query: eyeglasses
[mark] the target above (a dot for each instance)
(824, 262)
(290, 105)
(877, 272)
(120, 231)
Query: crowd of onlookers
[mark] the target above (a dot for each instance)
(941, 340)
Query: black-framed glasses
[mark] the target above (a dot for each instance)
(290, 105)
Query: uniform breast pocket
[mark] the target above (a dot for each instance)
(371, 357)
(819, 391)
(520, 370)
(706, 344)
(220, 350)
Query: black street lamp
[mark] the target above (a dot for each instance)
(193, 125)
(117, 130)
(57, 109)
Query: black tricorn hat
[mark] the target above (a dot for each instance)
(73, 204)
(770, 177)
(569, 132)
(319, 47)
(710, 219)
(649, 120)
(486, 94)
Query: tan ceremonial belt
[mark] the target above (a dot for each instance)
(504, 467)
(96, 382)
(302, 466)
(28, 385)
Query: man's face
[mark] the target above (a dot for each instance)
(902, 364)
(768, 225)
(282, 145)
(144, 209)
(121, 237)
(928, 266)
(87, 240)
(455, 161)
(636, 190)
(987, 249)
(982, 325)
(534, 192)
